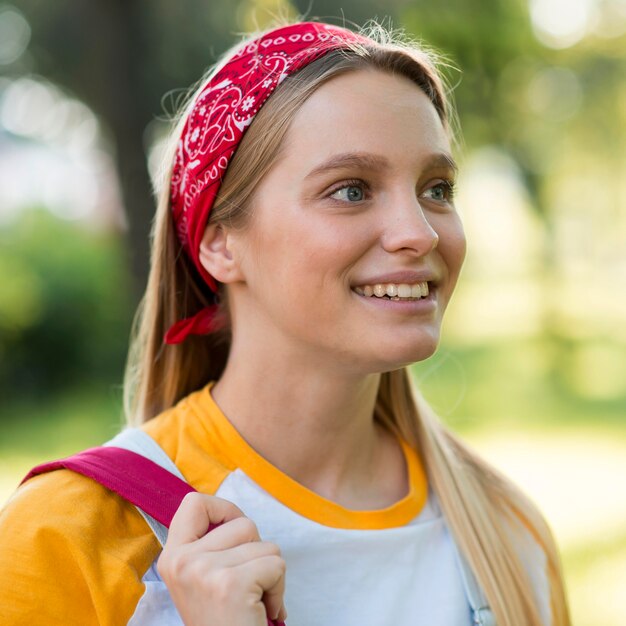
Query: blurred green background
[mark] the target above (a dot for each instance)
(532, 367)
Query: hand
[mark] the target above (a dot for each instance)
(224, 577)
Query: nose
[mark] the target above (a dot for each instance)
(407, 227)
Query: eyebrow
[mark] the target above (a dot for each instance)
(366, 160)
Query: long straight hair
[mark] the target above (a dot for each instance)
(480, 504)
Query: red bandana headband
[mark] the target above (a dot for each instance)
(215, 125)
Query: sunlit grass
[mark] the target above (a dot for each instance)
(596, 571)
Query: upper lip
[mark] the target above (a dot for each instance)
(405, 276)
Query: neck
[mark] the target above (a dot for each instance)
(316, 426)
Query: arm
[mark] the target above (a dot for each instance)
(71, 552)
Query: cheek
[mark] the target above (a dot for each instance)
(458, 247)
(452, 243)
(316, 253)
(302, 264)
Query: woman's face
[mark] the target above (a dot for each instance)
(321, 233)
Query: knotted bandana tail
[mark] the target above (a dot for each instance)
(202, 323)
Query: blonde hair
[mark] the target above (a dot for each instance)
(478, 502)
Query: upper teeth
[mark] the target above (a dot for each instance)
(402, 290)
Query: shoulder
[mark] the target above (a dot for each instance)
(188, 434)
(68, 546)
(63, 522)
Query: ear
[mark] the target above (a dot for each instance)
(216, 256)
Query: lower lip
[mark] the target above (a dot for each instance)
(423, 305)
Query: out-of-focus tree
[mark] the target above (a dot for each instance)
(541, 87)
(549, 101)
(120, 57)
(64, 306)
(532, 100)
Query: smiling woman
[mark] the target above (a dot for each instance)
(306, 247)
(303, 236)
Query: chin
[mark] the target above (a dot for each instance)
(392, 360)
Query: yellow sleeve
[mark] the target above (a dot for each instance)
(71, 552)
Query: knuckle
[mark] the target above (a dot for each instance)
(228, 506)
(280, 564)
(248, 528)
(273, 549)
(177, 564)
(186, 570)
(192, 499)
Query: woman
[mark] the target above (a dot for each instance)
(306, 246)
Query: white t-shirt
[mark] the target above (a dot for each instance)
(396, 565)
(406, 576)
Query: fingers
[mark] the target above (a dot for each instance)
(241, 530)
(228, 570)
(243, 553)
(194, 515)
(268, 573)
(232, 543)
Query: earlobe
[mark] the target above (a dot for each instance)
(215, 255)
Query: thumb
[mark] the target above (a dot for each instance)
(197, 513)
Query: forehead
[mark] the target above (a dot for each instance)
(368, 111)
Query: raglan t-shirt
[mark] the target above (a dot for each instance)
(76, 553)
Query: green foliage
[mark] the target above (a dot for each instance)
(64, 305)
(71, 419)
(517, 384)
(546, 107)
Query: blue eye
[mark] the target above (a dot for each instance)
(447, 188)
(355, 191)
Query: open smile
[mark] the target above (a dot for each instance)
(396, 297)
(396, 291)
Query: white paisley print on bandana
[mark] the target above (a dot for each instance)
(218, 120)
(226, 107)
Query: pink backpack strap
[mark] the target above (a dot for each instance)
(144, 483)
(135, 478)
